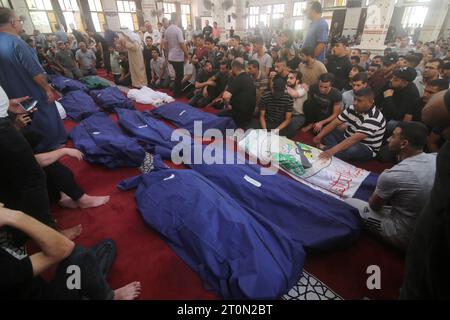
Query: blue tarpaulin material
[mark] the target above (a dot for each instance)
(183, 116)
(78, 105)
(64, 85)
(102, 142)
(240, 254)
(111, 98)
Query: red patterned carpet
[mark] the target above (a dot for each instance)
(144, 256)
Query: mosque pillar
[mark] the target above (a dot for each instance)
(379, 15)
(434, 20)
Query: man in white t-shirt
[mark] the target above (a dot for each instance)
(299, 93)
(188, 82)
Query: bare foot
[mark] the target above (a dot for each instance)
(129, 292)
(307, 128)
(87, 201)
(67, 202)
(72, 233)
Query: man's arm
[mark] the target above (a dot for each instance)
(435, 113)
(412, 108)
(200, 85)
(41, 81)
(152, 71)
(387, 185)
(344, 145)
(296, 93)
(336, 111)
(286, 122)
(389, 108)
(47, 158)
(327, 130)
(226, 97)
(77, 60)
(161, 70)
(164, 47)
(268, 65)
(185, 50)
(186, 77)
(262, 119)
(376, 202)
(183, 44)
(55, 247)
(94, 60)
(59, 65)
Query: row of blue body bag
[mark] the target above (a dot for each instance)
(244, 233)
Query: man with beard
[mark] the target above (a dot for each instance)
(299, 93)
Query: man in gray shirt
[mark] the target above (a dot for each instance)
(65, 57)
(86, 60)
(264, 59)
(359, 81)
(158, 66)
(177, 52)
(403, 190)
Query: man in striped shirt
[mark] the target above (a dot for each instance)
(276, 108)
(363, 137)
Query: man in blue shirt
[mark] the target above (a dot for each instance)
(317, 35)
(22, 75)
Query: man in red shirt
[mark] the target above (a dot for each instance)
(201, 51)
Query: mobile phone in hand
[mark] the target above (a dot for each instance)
(29, 104)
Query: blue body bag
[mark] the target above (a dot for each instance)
(102, 142)
(64, 85)
(111, 98)
(78, 105)
(238, 255)
(145, 128)
(316, 220)
(183, 116)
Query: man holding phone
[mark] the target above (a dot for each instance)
(23, 183)
(24, 117)
(22, 76)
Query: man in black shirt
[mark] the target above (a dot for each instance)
(428, 256)
(401, 99)
(207, 30)
(218, 83)
(324, 104)
(20, 275)
(240, 95)
(201, 97)
(339, 64)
